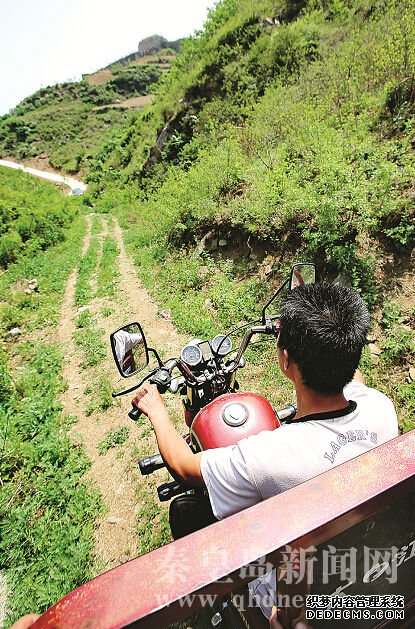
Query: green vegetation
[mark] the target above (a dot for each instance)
(90, 341)
(33, 216)
(68, 122)
(47, 512)
(108, 269)
(113, 438)
(87, 267)
(282, 140)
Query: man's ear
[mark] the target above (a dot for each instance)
(286, 359)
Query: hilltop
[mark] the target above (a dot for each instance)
(62, 126)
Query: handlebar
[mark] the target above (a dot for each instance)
(135, 413)
(162, 379)
(161, 376)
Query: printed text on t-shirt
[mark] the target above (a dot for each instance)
(349, 437)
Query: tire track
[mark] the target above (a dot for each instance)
(115, 473)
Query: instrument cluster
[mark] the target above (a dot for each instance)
(197, 352)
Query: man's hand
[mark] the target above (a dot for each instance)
(149, 401)
(183, 463)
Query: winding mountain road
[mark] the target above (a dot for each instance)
(67, 181)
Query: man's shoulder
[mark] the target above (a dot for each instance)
(356, 389)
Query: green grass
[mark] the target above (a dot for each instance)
(113, 438)
(108, 273)
(33, 216)
(85, 319)
(86, 272)
(47, 511)
(101, 395)
(90, 342)
(40, 310)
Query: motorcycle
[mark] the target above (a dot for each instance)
(215, 413)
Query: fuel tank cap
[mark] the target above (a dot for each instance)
(235, 414)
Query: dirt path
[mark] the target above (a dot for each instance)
(55, 177)
(114, 473)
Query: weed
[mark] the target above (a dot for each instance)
(32, 218)
(104, 392)
(391, 314)
(107, 285)
(96, 226)
(90, 341)
(87, 266)
(399, 346)
(47, 528)
(113, 438)
(84, 319)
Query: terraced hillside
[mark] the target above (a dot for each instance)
(62, 126)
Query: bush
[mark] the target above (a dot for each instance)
(34, 216)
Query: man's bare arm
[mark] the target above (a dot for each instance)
(172, 446)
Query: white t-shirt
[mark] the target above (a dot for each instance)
(124, 342)
(271, 462)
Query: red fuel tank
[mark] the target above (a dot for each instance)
(231, 417)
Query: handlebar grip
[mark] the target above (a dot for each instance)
(150, 464)
(134, 414)
(288, 412)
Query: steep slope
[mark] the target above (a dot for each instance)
(62, 126)
(285, 131)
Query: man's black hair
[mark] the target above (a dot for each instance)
(323, 328)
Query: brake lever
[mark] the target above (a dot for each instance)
(136, 386)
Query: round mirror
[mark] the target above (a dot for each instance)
(129, 349)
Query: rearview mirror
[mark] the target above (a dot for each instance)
(302, 274)
(129, 349)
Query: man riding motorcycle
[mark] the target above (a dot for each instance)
(320, 340)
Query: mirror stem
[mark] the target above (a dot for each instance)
(283, 285)
(154, 351)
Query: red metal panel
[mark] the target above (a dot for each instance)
(311, 513)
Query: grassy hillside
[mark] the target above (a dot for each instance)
(33, 216)
(64, 124)
(285, 131)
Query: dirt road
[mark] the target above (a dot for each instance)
(126, 494)
(73, 184)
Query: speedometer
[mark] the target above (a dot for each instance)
(191, 355)
(221, 344)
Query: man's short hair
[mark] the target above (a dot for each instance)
(323, 328)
